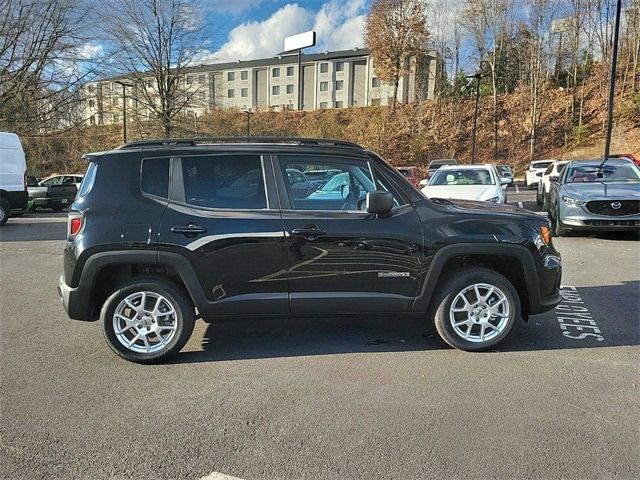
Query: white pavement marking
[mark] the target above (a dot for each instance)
(219, 476)
(520, 205)
(572, 314)
(517, 189)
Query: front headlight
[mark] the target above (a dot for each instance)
(494, 199)
(572, 201)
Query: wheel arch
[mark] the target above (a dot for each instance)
(514, 262)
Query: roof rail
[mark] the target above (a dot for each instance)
(192, 142)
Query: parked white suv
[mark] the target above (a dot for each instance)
(552, 170)
(533, 174)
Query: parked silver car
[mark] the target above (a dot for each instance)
(592, 195)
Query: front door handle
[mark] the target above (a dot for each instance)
(310, 233)
(190, 230)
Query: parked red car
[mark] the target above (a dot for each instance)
(630, 156)
(412, 174)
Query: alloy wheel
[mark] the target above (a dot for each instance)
(145, 322)
(479, 313)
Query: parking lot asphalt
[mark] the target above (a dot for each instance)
(324, 399)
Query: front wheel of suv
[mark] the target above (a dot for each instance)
(147, 320)
(476, 309)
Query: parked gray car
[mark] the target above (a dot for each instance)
(590, 195)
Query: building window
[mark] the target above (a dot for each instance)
(289, 71)
(324, 105)
(91, 103)
(324, 86)
(201, 79)
(339, 66)
(189, 80)
(290, 88)
(375, 82)
(92, 120)
(231, 93)
(324, 67)
(231, 76)
(150, 83)
(275, 90)
(116, 119)
(275, 72)
(244, 75)
(339, 84)
(375, 102)
(339, 104)
(114, 101)
(244, 92)
(92, 88)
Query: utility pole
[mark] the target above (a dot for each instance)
(124, 107)
(477, 77)
(249, 113)
(612, 81)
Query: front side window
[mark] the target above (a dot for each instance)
(318, 183)
(154, 177)
(224, 181)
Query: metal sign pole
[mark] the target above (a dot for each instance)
(612, 84)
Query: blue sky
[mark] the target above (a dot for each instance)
(245, 29)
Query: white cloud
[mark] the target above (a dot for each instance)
(339, 25)
(89, 51)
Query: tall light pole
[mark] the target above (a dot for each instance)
(297, 43)
(124, 106)
(612, 81)
(477, 77)
(249, 113)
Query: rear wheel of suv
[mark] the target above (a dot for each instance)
(5, 211)
(476, 309)
(147, 320)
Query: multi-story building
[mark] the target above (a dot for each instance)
(339, 79)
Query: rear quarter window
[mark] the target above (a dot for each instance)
(88, 180)
(154, 177)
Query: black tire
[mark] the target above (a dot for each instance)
(5, 211)
(184, 318)
(454, 285)
(558, 229)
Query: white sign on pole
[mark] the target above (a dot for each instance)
(301, 40)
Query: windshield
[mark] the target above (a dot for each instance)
(540, 164)
(463, 176)
(608, 173)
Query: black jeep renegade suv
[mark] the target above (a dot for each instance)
(164, 232)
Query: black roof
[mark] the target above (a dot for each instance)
(196, 141)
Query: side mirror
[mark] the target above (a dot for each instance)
(424, 183)
(379, 202)
(554, 178)
(505, 181)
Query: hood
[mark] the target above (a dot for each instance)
(462, 192)
(602, 191)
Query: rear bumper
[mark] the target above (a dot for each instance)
(75, 301)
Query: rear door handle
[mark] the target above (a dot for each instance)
(310, 233)
(190, 230)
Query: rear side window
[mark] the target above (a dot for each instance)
(88, 180)
(224, 181)
(154, 177)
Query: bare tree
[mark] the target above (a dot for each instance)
(489, 24)
(396, 34)
(155, 41)
(42, 63)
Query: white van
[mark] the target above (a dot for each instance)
(13, 176)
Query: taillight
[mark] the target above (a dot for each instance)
(75, 222)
